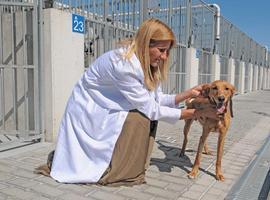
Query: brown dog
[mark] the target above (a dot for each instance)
(217, 94)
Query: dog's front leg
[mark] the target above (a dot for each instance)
(196, 165)
(188, 123)
(221, 140)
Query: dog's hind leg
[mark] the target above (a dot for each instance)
(206, 149)
(187, 126)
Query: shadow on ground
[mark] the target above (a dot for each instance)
(172, 159)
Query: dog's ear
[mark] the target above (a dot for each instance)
(232, 89)
(206, 90)
(231, 107)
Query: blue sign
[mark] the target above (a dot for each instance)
(77, 23)
(198, 53)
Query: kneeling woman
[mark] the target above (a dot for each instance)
(108, 128)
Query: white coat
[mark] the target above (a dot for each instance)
(96, 112)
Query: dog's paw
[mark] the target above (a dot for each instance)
(182, 154)
(192, 175)
(220, 177)
(210, 153)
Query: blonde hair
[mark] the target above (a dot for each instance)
(150, 32)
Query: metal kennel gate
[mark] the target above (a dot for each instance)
(19, 73)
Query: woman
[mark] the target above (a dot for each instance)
(105, 134)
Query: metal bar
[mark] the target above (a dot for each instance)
(189, 38)
(36, 70)
(9, 3)
(17, 66)
(41, 71)
(106, 28)
(2, 105)
(1, 38)
(22, 133)
(25, 80)
(143, 10)
(2, 98)
(14, 70)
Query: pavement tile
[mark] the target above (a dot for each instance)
(3, 197)
(198, 187)
(156, 182)
(18, 193)
(211, 197)
(192, 194)
(134, 194)
(158, 198)
(162, 192)
(23, 182)
(177, 187)
(24, 173)
(171, 179)
(6, 168)
(106, 195)
(71, 196)
(47, 190)
(214, 191)
(48, 180)
(6, 176)
(221, 185)
(152, 174)
(2, 186)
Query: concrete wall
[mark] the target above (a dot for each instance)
(216, 67)
(192, 67)
(63, 66)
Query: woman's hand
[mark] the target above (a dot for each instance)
(196, 91)
(192, 92)
(207, 112)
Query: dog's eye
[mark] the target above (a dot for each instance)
(214, 88)
(226, 88)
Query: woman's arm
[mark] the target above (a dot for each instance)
(193, 92)
(188, 114)
(194, 114)
(128, 82)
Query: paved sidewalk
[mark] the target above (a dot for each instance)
(167, 175)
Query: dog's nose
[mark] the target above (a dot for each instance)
(221, 98)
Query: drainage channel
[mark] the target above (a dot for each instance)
(255, 181)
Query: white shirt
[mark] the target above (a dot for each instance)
(95, 114)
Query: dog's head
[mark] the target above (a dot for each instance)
(220, 93)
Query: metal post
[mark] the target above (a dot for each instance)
(189, 40)
(106, 27)
(25, 81)
(143, 10)
(36, 69)
(170, 13)
(40, 69)
(14, 69)
(2, 102)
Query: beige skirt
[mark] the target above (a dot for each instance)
(132, 152)
(131, 155)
